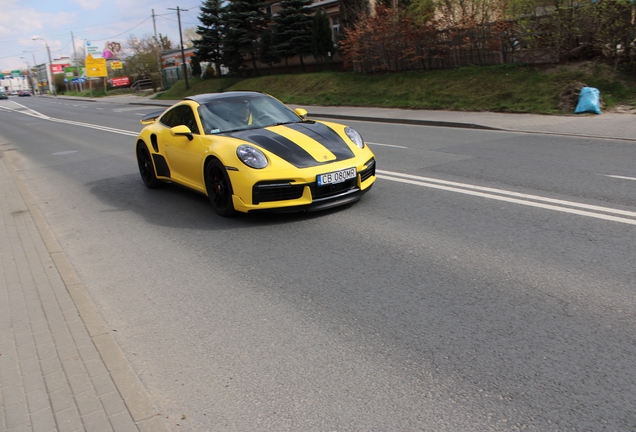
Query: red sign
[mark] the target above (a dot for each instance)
(58, 68)
(121, 81)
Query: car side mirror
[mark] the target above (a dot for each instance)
(301, 112)
(182, 130)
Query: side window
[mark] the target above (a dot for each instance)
(181, 115)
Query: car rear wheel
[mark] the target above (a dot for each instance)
(146, 167)
(219, 188)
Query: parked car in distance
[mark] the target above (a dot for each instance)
(14, 92)
(4, 95)
(23, 93)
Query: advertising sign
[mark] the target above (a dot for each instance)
(15, 73)
(58, 68)
(71, 72)
(93, 50)
(96, 67)
(116, 65)
(121, 81)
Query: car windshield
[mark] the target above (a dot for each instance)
(234, 113)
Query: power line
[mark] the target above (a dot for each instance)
(127, 31)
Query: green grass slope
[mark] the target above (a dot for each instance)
(506, 88)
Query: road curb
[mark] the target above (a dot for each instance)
(404, 121)
(415, 122)
(141, 408)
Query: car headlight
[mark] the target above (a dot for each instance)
(355, 137)
(251, 156)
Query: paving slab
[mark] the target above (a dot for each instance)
(60, 368)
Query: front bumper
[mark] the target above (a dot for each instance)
(288, 195)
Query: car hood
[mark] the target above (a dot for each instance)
(303, 144)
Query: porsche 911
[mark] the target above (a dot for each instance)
(249, 152)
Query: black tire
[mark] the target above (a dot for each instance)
(219, 188)
(146, 167)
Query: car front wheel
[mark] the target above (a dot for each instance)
(219, 188)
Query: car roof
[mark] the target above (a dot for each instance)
(208, 97)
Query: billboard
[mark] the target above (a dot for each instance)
(110, 50)
(93, 50)
(70, 72)
(120, 81)
(58, 68)
(96, 67)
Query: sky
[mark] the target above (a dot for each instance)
(98, 21)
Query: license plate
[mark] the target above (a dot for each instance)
(336, 176)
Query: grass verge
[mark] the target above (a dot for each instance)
(505, 88)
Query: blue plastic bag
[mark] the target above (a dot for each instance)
(589, 101)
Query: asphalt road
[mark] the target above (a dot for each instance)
(485, 283)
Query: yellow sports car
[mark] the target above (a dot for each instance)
(249, 152)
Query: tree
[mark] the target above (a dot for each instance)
(164, 42)
(141, 59)
(351, 11)
(292, 30)
(322, 42)
(208, 46)
(196, 67)
(244, 22)
(267, 53)
(189, 36)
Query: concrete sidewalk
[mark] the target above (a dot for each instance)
(60, 368)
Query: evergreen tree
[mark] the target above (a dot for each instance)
(196, 67)
(267, 53)
(322, 42)
(292, 30)
(244, 23)
(208, 48)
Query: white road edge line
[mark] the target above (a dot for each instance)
(387, 145)
(36, 114)
(620, 177)
(429, 182)
(515, 200)
(513, 194)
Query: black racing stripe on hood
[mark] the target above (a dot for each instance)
(279, 145)
(325, 136)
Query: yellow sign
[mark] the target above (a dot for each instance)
(116, 65)
(96, 67)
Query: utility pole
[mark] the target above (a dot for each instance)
(76, 62)
(183, 59)
(50, 66)
(34, 68)
(160, 50)
(29, 74)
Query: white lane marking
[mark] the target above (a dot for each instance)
(135, 108)
(620, 177)
(24, 110)
(514, 194)
(472, 190)
(387, 145)
(431, 183)
(65, 152)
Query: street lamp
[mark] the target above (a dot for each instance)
(48, 51)
(33, 79)
(33, 54)
(29, 73)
